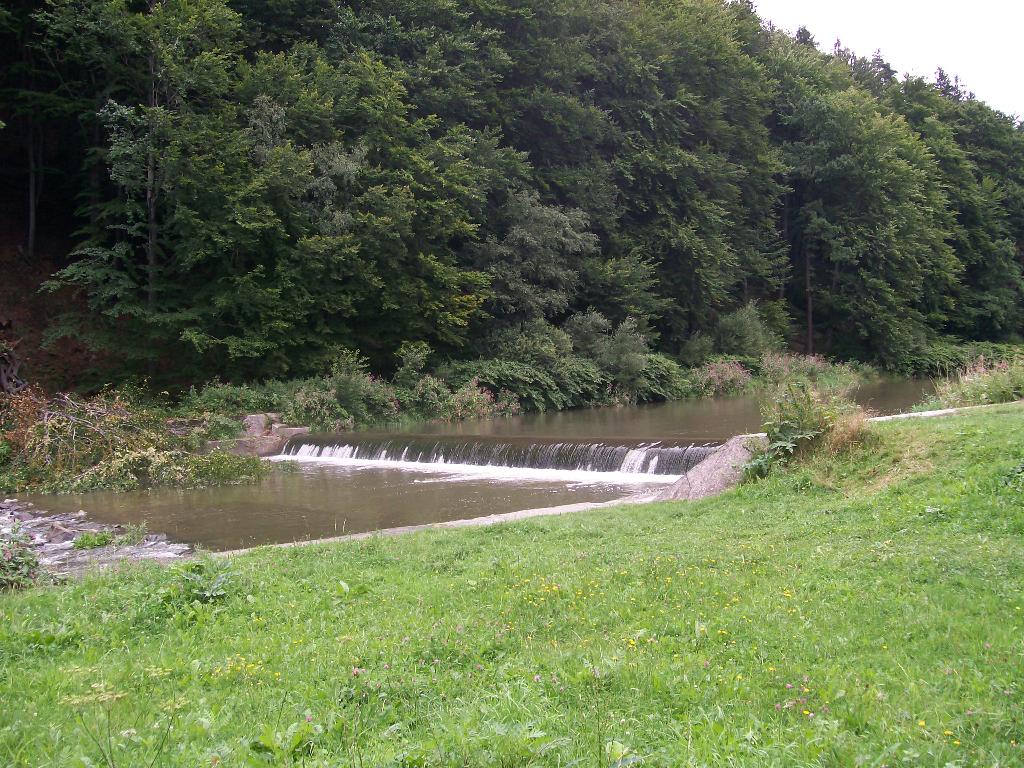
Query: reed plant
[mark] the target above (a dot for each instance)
(982, 382)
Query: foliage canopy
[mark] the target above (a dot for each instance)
(258, 185)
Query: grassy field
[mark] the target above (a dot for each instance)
(860, 610)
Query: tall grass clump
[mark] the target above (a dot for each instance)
(983, 382)
(800, 420)
(732, 375)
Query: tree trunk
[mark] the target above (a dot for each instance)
(151, 195)
(151, 228)
(809, 296)
(152, 199)
(35, 187)
(789, 244)
(95, 171)
(33, 144)
(834, 291)
(33, 194)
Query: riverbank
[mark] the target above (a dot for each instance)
(70, 544)
(285, 512)
(402, 480)
(850, 608)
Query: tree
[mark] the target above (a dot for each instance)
(534, 266)
(867, 219)
(256, 185)
(990, 294)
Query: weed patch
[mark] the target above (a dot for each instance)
(982, 382)
(66, 444)
(1014, 480)
(800, 419)
(93, 540)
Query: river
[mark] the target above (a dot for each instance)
(438, 472)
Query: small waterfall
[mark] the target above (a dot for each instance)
(660, 459)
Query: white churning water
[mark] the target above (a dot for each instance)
(579, 461)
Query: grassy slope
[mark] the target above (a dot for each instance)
(865, 610)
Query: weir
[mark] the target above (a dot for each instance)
(606, 456)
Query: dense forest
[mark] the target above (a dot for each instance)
(245, 189)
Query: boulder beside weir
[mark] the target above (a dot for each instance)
(719, 472)
(262, 445)
(286, 433)
(256, 424)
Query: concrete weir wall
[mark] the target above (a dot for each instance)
(720, 471)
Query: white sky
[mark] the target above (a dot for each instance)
(979, 40)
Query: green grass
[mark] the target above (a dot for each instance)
(134, 533)
(855, 610)
(93, 539)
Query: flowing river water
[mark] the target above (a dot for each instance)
(427, 473)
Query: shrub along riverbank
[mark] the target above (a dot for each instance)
(553, 371)
(69, 444)
(863, 605)
(537, 367)
(350, 397)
